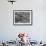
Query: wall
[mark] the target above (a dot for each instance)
(38, 30)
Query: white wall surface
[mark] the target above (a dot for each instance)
(38, 30)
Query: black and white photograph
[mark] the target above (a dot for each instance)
(22, 17)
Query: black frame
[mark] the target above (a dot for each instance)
(23, 24)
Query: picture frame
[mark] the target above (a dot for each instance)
(22, 17)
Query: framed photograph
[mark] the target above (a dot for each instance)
(22, 17)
